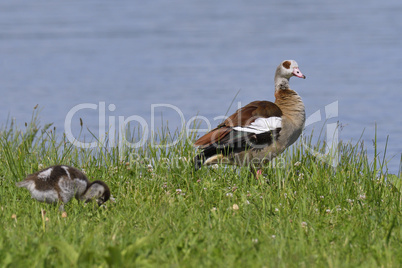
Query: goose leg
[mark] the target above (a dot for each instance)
(257, 172)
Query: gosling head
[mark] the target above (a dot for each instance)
(97, 190)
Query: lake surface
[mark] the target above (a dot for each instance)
(196, 56)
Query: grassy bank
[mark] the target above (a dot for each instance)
(304, 213)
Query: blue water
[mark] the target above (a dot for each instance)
(196, 55)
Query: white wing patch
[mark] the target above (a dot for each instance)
(66, 169)
(261, 125)
(44, 175)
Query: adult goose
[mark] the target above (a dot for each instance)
(61, 183)
(259, 131)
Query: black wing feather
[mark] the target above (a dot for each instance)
(235, 142)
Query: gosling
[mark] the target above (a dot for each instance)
(61, 183)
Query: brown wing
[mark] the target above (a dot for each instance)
(249, 113)
(242, 117)
(213, 136)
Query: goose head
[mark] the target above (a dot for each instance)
(285, 71)
(97, 190)
(289, 68)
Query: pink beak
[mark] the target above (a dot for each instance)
(296, 72)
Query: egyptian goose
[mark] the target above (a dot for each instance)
(259, 131)
(62, 183)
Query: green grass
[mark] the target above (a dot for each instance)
(304, 213)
